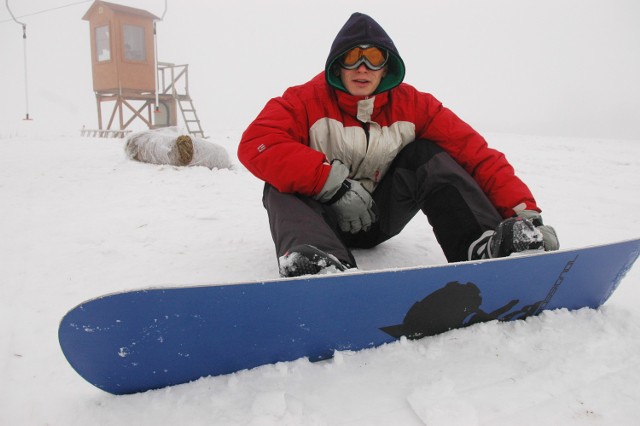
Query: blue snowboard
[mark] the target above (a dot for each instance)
(134, 341)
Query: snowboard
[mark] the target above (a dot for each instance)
(147, 339)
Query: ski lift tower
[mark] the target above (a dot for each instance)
(125, 72)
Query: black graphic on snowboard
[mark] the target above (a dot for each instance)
(457, 305)
(453, 306)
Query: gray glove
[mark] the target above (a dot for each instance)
(549, 236)
(352, 203)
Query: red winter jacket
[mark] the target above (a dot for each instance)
(293, 140)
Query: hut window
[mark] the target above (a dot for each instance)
(103, 46)
(134, 43)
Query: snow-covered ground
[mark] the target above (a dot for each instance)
(78, 219)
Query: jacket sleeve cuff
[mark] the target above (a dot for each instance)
(334, 183)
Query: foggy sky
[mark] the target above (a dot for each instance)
(550, 67)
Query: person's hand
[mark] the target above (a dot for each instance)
(549, 236)
(355, 209)
(351, 203)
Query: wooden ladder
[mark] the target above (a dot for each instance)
(190, 116)
(170, 75)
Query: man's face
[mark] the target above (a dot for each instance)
(361, 81)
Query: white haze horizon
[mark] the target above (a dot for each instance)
(554, 68)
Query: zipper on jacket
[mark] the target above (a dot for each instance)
(365, 127)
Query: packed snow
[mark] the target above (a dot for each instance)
(80, 219)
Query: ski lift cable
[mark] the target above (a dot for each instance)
(155, 49)
(45, 10)
(24, 38)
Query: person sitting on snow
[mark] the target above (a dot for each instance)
(351, 156)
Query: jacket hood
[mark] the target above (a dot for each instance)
(362, 29)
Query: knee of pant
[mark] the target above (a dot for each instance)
(417, 153)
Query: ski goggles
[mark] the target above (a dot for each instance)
(373, 58)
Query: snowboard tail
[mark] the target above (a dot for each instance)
(147, 339)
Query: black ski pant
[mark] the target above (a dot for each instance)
(422, 177)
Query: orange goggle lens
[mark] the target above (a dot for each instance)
(372, 57)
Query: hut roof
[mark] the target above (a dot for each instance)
(118, 8)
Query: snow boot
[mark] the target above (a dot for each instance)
(513, 235)
(306, 259)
